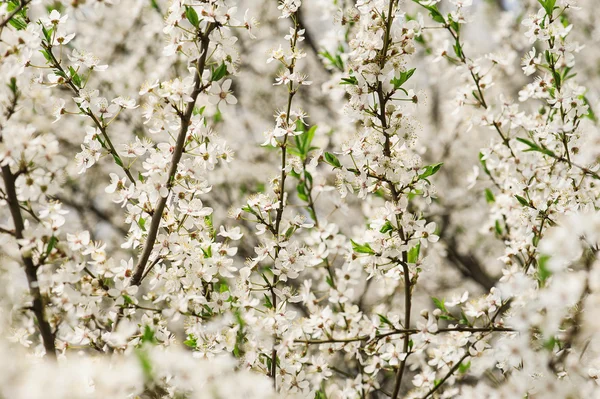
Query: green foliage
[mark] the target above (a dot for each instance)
(19, 20)
(219, 72)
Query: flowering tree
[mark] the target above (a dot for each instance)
(418, 218)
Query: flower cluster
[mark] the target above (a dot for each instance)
(421, 234)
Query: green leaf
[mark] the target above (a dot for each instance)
(207, 252)
(542, 272)
(142, 223)
(47, 33)
(144, 359)
(349, 81)
(440, 304)
(12, 85)
(219, 73)
(413, 253)
(498, 228)
(489, 196)
(46, 55)
(19, 20)
(464, 367)
(155, 6)
(484, 164)
(191, 341)
(386, 227)
(268, 304)
(329, 281)
(548, 6)
(430, 170)
(301, 190)
(385, 320)
(590, 114)
(148, 336)
(523, 201)
(51, 245)
(332, 160)
(404, 76)
(192, 16)
(436, 15)
(117, 160)
(362, 248)
(304, 140)
(534, 147)
(75, 77)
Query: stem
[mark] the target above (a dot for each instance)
(108, 143)
(279, 214)
(38, 306)
(14, 12)
(177, 153)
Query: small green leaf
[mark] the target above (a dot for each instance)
(440, 304)
(144, 360)
(543, 273)
(430, 170)
(192, 16)
(332, 160)
(534, 147)
(484, 164)
(148, 335)
(498, 228)
(523, 201)
(75, 77)
(387, 227)
(548, 6)
(464, 367)
(301, 190)
(362, 248)
(219, 73)
(385, 320)
(268, 304)
(489, 196)
(117, 160)
(413, 253)
(191, 341)
(436, 15)
(403, 78)
(51, 245)
(349, 81)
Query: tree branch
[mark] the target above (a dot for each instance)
(177, 153)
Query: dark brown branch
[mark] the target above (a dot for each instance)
(177, 153)
(38, 306)
(14, 12)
